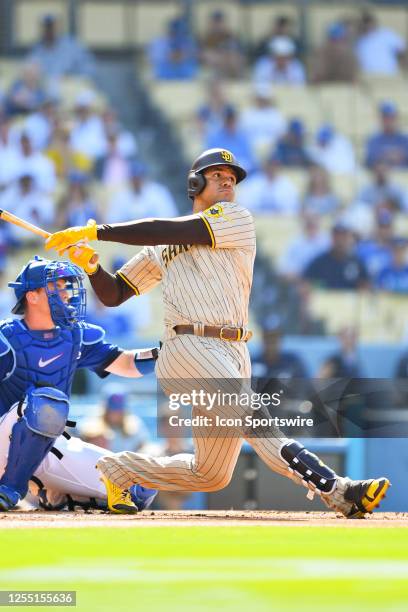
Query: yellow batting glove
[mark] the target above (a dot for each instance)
(66, 238)
(85, 257)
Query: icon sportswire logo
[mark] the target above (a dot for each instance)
(43, 363)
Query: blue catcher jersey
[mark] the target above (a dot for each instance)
(48, 357)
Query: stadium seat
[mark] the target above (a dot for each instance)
(336, 308)
(9, 69)
(105, 24)
(349, 108)
(393, 17)
(178, 100)
(274, 232)
(300, 102)
(70, 87)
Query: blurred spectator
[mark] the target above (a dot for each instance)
(275, 362)
(27, 93)
(113, 168)
(221, 50)
(263, 122)
(76, 206)
(319, 197)
(174, 55)
(63, 156)
(210, 115)
(40, 125)
(344, 363)
(338, 267)
(333, 151)
(383, 189)
(291, 148)
(9, 155)
(280, 66)
(126, 141)
(378, 49)
(376, 251)
(305, 247)
(25, 199)
(121, 430)
(394, 276)
(88, 133)
(36, 164)
(141, 199)
(270, 191)
(390, 144)
(282, 25)
(232, 137)
(58, 54)
(334, 61)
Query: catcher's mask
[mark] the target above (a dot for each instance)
(39, 272)
(212, 157)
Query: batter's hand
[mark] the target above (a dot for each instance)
(66, 238)
(85, 257)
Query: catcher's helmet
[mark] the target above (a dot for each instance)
(212, 157)
(39, 272)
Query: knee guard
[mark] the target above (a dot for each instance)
(33, 435)
(46, 411)
(316, 476)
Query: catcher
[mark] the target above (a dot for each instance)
(39, 355)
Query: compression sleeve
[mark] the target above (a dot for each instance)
(183, 230)
(111, 289)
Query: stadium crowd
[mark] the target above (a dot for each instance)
(342, 245)
(60, 166)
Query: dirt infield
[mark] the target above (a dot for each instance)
(207, 518)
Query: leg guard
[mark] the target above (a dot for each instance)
(316, 476)
(33, 436)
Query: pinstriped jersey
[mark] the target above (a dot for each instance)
(207, 284)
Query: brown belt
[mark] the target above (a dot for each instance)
(223, 332)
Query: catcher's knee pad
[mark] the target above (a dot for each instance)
(317, 476)
(46, 411)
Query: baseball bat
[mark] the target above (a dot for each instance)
(10, 218)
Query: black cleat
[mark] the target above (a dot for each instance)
(365, 495)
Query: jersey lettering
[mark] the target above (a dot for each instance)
(171, 251)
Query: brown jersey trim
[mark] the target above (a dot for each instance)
(128, 282)
(210, 231)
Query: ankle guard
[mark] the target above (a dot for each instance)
(315, 475)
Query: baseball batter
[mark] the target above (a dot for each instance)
(205, 264)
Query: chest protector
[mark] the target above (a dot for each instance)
(46, 357)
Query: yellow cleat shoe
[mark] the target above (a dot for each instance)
(119, 500)
(365, 495)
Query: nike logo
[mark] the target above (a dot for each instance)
(42, 363)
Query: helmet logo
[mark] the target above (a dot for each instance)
(226, 156)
